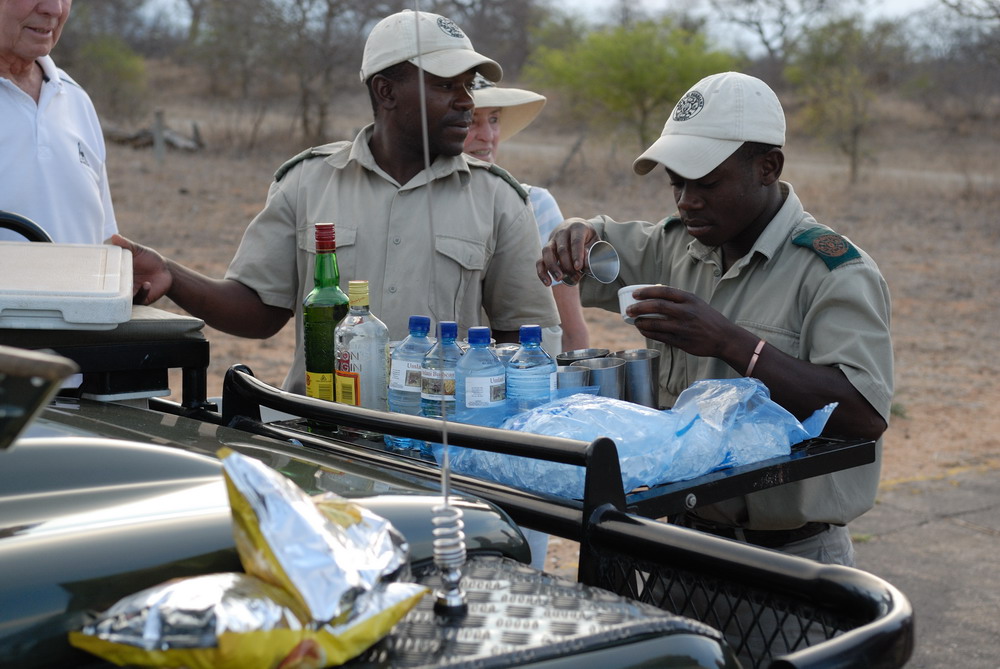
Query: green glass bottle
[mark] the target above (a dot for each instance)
(323, 309)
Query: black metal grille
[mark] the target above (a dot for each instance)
(757, 624)
(774, 610)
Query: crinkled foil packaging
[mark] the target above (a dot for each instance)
(194, 612)
(328, 551)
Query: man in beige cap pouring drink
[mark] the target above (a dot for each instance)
(753, 286)
(447, 241)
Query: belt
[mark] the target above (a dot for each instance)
(763, 538)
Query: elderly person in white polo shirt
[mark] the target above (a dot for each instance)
(52, 153)
(500, 114)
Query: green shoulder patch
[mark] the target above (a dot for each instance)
(834, 249)
(509, 178)
(292, 162)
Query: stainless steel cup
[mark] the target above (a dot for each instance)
(602, 261)
(569, 357)
(572, 376)
(608, 374)
(642, 375)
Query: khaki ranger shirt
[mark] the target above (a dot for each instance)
(804, 289)
(479, 257)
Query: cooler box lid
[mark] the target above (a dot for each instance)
(64, 286)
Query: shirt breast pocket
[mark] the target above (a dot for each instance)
(344, 236)
(459, 265)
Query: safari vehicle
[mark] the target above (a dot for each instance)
(110, 488)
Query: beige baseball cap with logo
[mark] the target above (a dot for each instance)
(713, 119)
(444, 50)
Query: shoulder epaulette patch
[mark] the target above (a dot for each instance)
(671, 220)
(292, 162)
(834, 249)
(509, 178)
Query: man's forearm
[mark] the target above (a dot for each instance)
(225, 304)
(802, 387)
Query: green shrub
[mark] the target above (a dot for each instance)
(114, 76)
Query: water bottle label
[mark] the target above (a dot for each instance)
(320, 386)
(553, 383)
(438, 384)
(528, 390)
(485, 391)
(405, 376)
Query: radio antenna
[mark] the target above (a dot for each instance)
(449, 537)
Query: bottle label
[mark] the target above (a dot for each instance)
(348, 388)
(405, 376)
(437, 385)
(528, 390)
(320, 386)
(485, 391)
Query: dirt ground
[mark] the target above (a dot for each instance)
(925, 209)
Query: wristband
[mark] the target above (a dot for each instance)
(756, 354)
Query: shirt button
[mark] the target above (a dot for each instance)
(716, 272)
(396, 240)
(392, 289)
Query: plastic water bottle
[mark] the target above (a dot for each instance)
(404, 376)
(480, 382)
(437, 373)
(531, 372)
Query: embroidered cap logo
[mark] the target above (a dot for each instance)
(689, 106)
(449, 27)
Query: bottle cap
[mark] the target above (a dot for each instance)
(420, 324)
(479, 336)
(325, 238)
(531, 334)
(447, 329)
(357, 291)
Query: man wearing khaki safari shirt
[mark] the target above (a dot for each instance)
(452, 241)
(751, 285)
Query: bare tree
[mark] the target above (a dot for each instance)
(196, 10)
(777, 24)
(838, 69)
(325, 52)
(987, 10)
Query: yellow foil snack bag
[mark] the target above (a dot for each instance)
(325, 581)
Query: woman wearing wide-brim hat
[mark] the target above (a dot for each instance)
(500, 114)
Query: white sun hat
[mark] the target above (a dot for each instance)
(445, 50)
(520, 107)
(713, 119)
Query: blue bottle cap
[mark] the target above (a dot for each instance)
(479, 336)
(420, 324)
(531, 334)
(448, 329)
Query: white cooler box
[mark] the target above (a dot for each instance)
(76, 300)
(64, 286)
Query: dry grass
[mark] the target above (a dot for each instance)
(925, 210)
